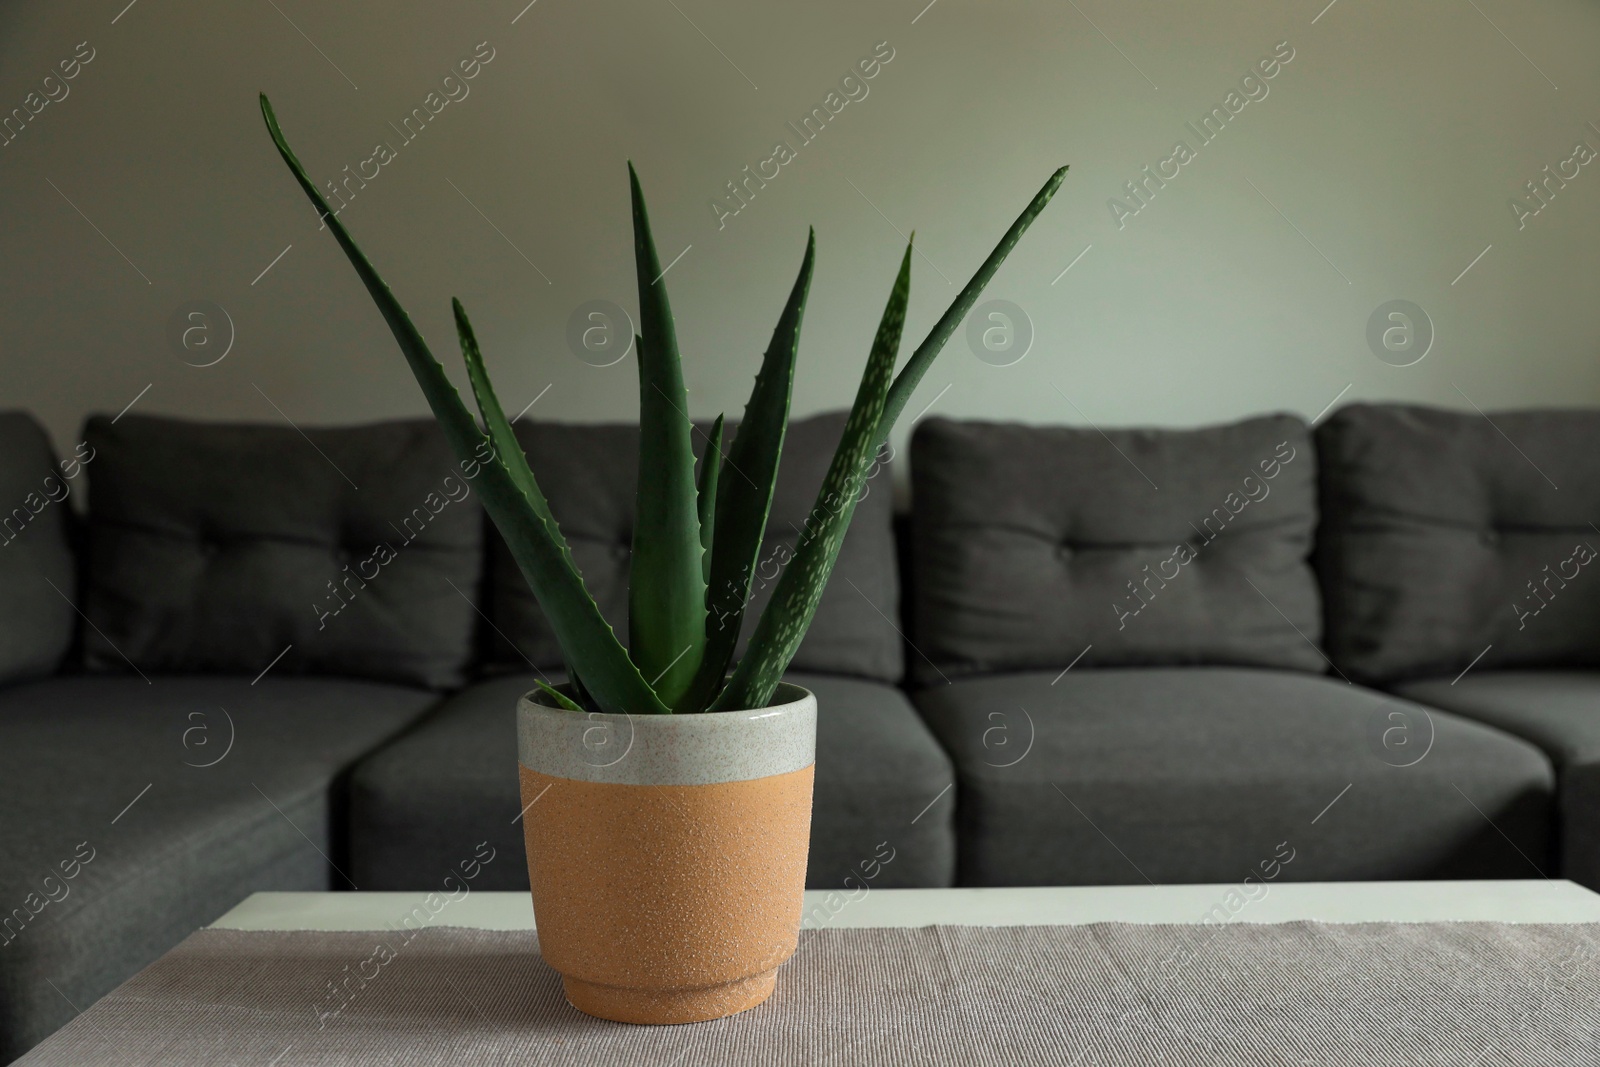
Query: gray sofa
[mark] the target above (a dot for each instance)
(1201, 728)
(1452, 541)
(266, 661)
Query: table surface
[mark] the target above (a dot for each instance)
(1514, 901)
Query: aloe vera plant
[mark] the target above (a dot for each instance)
(696, 541)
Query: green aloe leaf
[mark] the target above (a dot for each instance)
(588, 642)
(710, 471)
(782, 625)
(666, 587)
(509, 449)
(580, 692)
(557, 695)
(905, 383)
(744, 498)
(506, 445)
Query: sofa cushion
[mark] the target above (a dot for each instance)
(1557, 710)
(453, 781)
(588, 474)
(215, 547)
(1445, 537)
(1206, 774)
(135, 813)
(1560, 712)
(1036, 544)
(36, 621)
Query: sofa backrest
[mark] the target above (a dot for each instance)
(37, 583)
(588, 474)
(1445, 536)
(216, 547)
(1033, 545)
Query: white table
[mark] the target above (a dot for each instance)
(1552, 901)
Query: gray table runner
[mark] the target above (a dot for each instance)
(1079, 996)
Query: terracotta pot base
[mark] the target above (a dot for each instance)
(667, 853)
(653, 1006)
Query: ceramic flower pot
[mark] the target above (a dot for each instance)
(667, 853)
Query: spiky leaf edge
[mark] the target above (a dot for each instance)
(776, 659)
(706, 495)
(905, 383)
(666, 585)
(794, 602)
(587, 640)
(744, 499)
(499, 430)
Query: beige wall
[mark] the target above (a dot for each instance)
(1393, 140)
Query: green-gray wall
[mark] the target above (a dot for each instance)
(1381, 161)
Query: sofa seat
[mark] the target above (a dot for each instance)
(1560, 712)
(1205, 774)
(105, 779)
(423, 801)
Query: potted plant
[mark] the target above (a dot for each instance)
(668, 787)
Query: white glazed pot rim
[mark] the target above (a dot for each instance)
(787, 693)
(690, 749)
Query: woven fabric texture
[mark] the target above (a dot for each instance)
(1238, 994)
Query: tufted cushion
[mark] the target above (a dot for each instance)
(36, 621)
(587, 472)
(1032, 544)
(1445, 535)
(214, 547)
